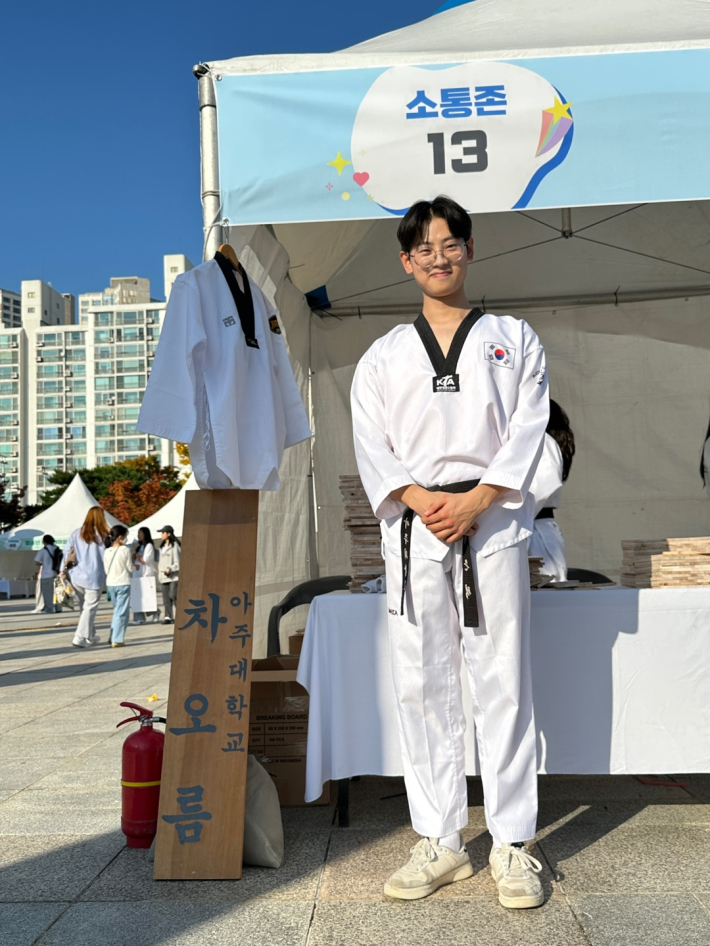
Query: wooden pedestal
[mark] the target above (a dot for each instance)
(201, 820)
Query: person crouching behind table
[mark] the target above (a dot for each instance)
(118, 564)
(85, 548)
(169, 571)
(547, 541)
(449, 416)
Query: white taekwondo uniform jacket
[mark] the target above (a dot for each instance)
(222, 381)
(481, 415)
(547, 541)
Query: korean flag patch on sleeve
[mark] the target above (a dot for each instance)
(499, 355)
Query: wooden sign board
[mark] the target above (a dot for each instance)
(202, 795)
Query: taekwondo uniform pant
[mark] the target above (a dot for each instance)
(426, 645)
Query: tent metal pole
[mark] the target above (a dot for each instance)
(545, 302)
(209, 170)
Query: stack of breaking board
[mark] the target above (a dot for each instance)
(665, 563)
(365, 537)
(537, 580)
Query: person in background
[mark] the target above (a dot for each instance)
(86, 548)
(145, 558)
(705, 462)
(169, 570)
(38, 593)
(45, 558)
(547, 541)
(118, 564)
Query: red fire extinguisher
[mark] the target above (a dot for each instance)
(140, 777)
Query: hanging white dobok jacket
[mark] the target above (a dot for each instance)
(222, 381)
(547, 541)
(479, 413)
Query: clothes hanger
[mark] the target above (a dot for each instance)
(227, 251)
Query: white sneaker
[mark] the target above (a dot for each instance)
(430, 867)
(86, 641)
(515, 873)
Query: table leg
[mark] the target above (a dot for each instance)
(343, 803)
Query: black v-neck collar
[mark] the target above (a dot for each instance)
(441, 365)
(242, 298)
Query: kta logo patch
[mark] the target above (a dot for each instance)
(447, 383)
(499, 355)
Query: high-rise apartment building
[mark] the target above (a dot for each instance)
(11, 308)
(85, 385)
(13, 401)
(174, 265)
(69, 308)
(41, 305)
(123, 290)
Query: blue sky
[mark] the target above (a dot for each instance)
(99, 119)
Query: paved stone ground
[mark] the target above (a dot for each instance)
(625, 864)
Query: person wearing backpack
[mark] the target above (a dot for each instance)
(49, 559)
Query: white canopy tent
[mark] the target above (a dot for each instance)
(618, 287)
(171, 514)
(19, 546)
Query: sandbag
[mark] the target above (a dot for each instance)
(263, 830)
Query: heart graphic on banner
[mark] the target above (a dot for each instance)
(361, 178)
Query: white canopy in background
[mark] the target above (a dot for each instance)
(19, 546)
(619, 292)
(171, 514)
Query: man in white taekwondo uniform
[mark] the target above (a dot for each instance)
(449, 416)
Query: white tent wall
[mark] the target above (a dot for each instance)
(284, 519)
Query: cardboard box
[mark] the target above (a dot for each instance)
(295, 641)
(278, 727)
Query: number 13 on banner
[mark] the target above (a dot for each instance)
(486, 133)
(477, 150)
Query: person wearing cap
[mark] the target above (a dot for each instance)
(169, 570)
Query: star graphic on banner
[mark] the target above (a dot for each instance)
(559, 110)
(363, 151)
(329, 186)
(339, 163)
(370, 197)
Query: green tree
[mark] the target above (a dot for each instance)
(133, 474)
(12, 512)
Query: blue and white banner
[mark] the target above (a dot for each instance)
(495, 136)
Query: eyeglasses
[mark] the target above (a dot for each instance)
(425, 256)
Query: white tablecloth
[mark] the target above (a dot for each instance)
(621, 684)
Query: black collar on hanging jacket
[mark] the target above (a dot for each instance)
(445, 378)
(242, 299)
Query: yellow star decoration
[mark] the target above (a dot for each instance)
(560, 110)
(339, 163)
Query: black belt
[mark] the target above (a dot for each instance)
(547, 513)
(470, 605)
